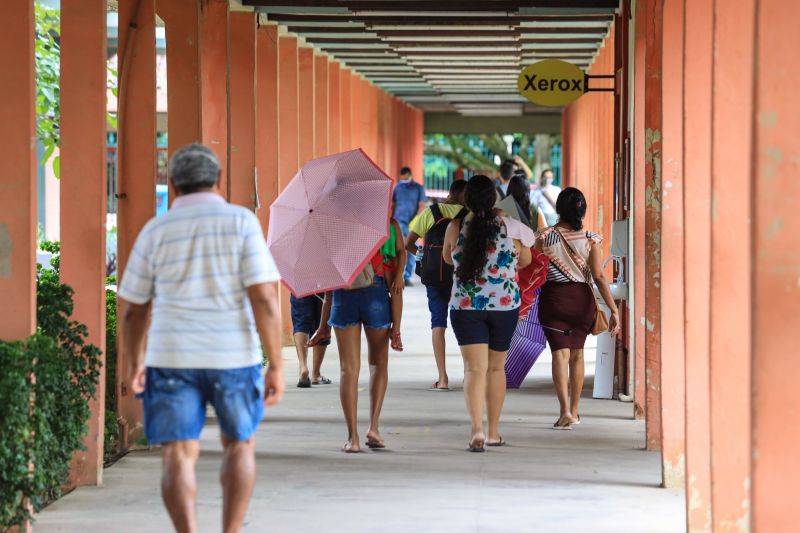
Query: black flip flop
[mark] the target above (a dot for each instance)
(476, 449)
(304, 383)
(501, 442)
(375, 445)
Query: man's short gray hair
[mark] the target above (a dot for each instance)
(194, 167)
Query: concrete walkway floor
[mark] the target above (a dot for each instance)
(596, 478)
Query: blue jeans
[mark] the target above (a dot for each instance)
(410, 259)
(175, 402)
(438, 304)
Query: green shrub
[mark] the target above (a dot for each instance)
(110, 448)
(45, 386)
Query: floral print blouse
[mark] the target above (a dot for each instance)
(496, 289)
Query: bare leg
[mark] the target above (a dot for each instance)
(397, 317)
(378, 358)
(178, 483)
(319, 356)
(437, 336)
(560, 377)
(476, 364)
(576, 372)
(237, 476)
(300, 340)
(349, 341)
(495, 393)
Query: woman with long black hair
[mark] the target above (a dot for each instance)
(519, 188)
(486, 250)
(567, 304)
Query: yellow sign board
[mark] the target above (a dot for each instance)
(552, 82)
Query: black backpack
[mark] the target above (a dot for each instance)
(432, 268)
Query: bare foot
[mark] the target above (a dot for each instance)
(496, 440)
(374, 440)
(477, 442)
(351, 446)
(397, 343)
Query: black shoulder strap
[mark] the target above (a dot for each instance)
(437, 213)
(463, 213)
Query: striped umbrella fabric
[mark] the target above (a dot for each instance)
(527, 344)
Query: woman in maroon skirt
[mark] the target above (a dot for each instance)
(566, 303)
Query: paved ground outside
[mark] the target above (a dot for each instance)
(596, 478)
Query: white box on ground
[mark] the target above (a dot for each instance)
(604, 365)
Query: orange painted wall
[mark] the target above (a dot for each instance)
(321, 88)
(267, 152)
(334, 107)
(346, 83)
(306, 104)
(18, 179)
(214, 49)
(588, 136)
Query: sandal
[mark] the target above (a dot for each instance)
(476, 446)
(304, 383)
(436, 388)
(500, 442)
(322, 381)
(565, 427)
(397, 344)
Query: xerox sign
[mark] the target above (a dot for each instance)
(551, 82)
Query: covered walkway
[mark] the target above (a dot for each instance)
(545, 481)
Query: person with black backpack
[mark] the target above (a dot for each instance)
(437, 276)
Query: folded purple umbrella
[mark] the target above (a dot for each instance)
(527, 344)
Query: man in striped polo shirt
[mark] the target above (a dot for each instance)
(204, 273)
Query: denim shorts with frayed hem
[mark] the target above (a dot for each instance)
(175, 402)
(306, 314)
(368, 306)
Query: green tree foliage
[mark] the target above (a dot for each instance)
(47, 50)
(45, 387)
(477, 152)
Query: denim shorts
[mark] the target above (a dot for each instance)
(438, 303)
(306, 314)
(175, 402)
(494, 328)
(368, 306)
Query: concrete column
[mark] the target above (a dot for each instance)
(242, 183)
(731, 265)
(215, 80)
(356, 110)
(673, 319)
(321, 87)
(775, 268)
(136, 165)
(267, 153)
(698, 37)
(334, 108)
(182, 25)
(18, 178)
(84, 198)
(288, 137)
(306, 108)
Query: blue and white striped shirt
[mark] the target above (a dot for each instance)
(195, 263)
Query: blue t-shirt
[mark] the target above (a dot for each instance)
(407, 197)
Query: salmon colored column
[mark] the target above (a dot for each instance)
(334, 108)
(306, 107)
(242, 185)
(356, 109)
(776, 269)
(346, 129)
(731, 265)
(215, 79)
(182, 25)
(418, 144)
(698, 37)
(84, 190)
(637, 212)
(136, 166)
(321, 86)
(288, 138)
(673, 320)
(267, 154)
(18, 178)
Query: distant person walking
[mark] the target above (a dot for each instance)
(486, 250)
(437, 277)
(519, 189)
(545, 196)
(567, 304)
(306, 313)
(507, 170)
(204, 272)
(408, 200)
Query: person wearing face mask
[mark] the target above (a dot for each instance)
(408, 200)
(545, 196)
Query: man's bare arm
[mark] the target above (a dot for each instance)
(411, 242)
(135, 318)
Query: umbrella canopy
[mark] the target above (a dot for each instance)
(329, 222)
